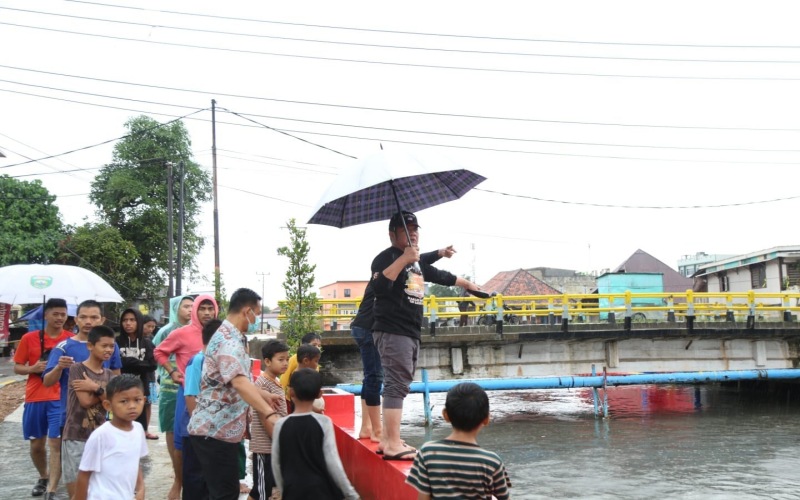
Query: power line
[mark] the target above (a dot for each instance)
(544, 153)
(93, 94)
(268, 157)
(284, 132)
(386, 129)
(397, 141)
(520, 139)
(397, 47)
(426, 113)
(59, 172)
(404, 64)
(265, 196)
(104, 142)
(654, 207)
(448, 35)
(273, 164)
(38, 151)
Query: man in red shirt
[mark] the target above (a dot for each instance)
(42, 413)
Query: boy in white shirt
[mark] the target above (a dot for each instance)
(110, 465)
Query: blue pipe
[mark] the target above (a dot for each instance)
(426, 397)
(567, 382)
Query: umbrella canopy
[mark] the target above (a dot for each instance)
(34, 283)
(376, 187)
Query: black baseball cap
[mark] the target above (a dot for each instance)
(397, 220)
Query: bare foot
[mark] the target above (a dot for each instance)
(375, 436)
(364, 434)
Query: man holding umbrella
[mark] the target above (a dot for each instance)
(398, 280)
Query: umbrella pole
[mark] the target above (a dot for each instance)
(403, 220)
(400, 211)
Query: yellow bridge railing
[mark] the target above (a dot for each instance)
(728, 306)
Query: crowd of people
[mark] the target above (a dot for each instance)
(89, 393)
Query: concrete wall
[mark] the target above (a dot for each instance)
(521, 352)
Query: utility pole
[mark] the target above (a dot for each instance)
(181, 207)
(216, 198)
(170, 289)
(262, 298)
(474, 277)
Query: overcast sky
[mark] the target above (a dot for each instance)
(592, 121)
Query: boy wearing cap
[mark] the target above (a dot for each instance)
(398, 280)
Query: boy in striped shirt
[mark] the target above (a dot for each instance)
(276, 360)
(456, 467)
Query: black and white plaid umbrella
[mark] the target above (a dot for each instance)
(375, 188)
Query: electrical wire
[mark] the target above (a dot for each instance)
(104, 142)
(386, 129)
(284, 132)
(405, 64)
(396, 47)
(264, 196)
(425, 113)
(653, 207)
(289, 132)
(449, 35)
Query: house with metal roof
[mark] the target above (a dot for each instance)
(775, 269)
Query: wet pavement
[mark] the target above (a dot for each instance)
(17, 474)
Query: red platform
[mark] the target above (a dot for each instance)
(370, 475)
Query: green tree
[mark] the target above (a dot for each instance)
(444, 291)
(131, 195)
(101, 248)
(447, 291)
(301, 306)
(30, 223)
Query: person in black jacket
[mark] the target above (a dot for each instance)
(136, 352)
(399, 286)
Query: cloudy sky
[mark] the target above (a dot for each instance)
(602, 127)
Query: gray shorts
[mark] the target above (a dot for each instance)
(399, 359)
(71, 453)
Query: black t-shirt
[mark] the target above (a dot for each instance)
(398, 304)
(364, 318)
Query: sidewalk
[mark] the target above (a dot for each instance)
(19, 476)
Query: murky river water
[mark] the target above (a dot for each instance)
(658, 442)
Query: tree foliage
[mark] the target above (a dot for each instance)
(444, 291)
(101, 248)
(131, 195)
(301, 304)
(447, 291)
(30, 223)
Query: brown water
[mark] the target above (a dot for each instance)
(658, 442)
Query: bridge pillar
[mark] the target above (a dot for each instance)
(760, 352)
(612, 354)
(612, 318)
(457, 360)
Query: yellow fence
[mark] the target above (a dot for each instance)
(638, 306)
